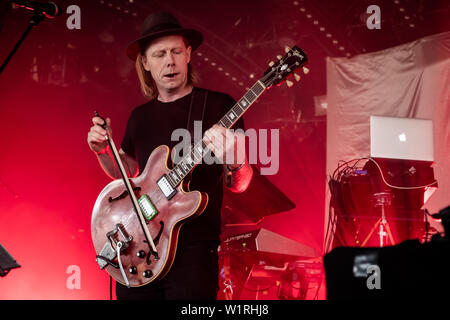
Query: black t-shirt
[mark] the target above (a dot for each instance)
(151, 125)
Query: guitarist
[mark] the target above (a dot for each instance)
(162, 55)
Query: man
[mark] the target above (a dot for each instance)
(162, 55)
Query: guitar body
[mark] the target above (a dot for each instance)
(113, 207)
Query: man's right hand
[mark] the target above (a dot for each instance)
(96, 135)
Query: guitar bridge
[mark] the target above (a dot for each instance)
(108, 252)
(114, 235)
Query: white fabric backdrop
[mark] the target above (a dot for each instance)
(410, 80)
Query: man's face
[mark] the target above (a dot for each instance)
(167, 59)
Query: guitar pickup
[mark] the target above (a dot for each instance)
(148, 209)
(166, 188)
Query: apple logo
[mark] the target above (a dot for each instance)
(402, 137)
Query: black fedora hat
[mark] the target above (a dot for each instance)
(162, 24)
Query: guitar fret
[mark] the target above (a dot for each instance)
(237, 110)
(250, 96)
(172, 183)
(239, 104)
(231, 115)
(189, 160)
(257, 88)
(204, 147)
(199, 149)
(226, 121)
(260, 86)
(229, 118)
(244, 104)
(174, 176)
(185, 167)
(197, 152)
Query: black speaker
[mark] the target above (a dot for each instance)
(408, 270)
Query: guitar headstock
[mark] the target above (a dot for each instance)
(278, 72)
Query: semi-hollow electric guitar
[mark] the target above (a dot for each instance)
(136, 240)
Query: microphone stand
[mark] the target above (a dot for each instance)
(34, 21)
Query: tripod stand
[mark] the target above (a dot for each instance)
(381, 199)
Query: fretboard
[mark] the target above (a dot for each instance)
(199, 149)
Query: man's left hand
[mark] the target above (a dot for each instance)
(228, 146)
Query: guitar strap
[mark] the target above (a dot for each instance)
(197, 110)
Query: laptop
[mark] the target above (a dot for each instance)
(401, 138)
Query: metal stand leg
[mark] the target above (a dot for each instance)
(34, 21)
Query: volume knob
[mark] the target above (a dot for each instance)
(141, 254)
(147, 274)
(132, 270)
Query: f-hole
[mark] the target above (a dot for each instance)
(123, 194)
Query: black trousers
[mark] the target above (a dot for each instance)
(194, 275)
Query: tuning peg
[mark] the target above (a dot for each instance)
(271, 63)
(305, 70)
(297, 77)
(287, 49)
(289, 83)
(279, 57)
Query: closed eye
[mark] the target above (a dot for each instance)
(162, 53)
(158, 54)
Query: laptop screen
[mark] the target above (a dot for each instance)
(401, 138)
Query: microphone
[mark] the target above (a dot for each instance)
(49, 9)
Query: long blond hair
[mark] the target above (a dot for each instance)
(148, 85)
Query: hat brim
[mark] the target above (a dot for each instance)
(194, 38)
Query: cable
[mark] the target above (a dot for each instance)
(397, 187)
(340, 172)
(346, 168)
(328, 227)
(110, 288)
(259, 290)
(332, 222)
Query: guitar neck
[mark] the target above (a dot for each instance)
(230, 118)
(199, 149)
